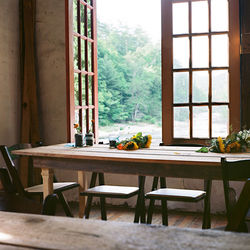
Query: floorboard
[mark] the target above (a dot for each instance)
(126, 214)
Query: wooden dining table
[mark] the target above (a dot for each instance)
(164, 161)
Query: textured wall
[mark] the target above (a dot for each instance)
(9, 73)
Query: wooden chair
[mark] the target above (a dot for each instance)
(165, 194)
(106, 191)
(16, 186)
(236, 211)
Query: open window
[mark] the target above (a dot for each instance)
(81, 65)
(200, 69)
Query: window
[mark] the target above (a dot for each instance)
(200, 69)
(82, 65)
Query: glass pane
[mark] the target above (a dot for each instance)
(220, 86)
(90, 2)
(200, 86)
(200, 52)
(180, 18)
(77, 116)
(82, 19)
(75, 15)
(83, 53)
(220, 51)
(90, 90)
(200, 122)
(83, 90)
(200, 17)
(181, 52)
(84, 121)
(91, 120)
(220, 121)
(181, 122)
(75, 49)
(181, 87)
(219, 15)
(89, 11)
(90, 69)
(76, 88)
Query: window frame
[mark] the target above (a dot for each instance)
(167, 72)
(90, 125)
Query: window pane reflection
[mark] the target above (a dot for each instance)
(220, 121)
(220, 51)
(219, 15)
(200, 17)
(181, 122)
(181, 87)
(200, 86)
(200, 122)
(200, 52)
(220, 86)
(180, 18)
(181, 52)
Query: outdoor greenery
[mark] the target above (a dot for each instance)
(129, 76)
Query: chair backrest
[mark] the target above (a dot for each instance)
(239, 212)
(235, 170)
(11, 167)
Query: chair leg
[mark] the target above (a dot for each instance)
(164, 212)
(49, 205)
(206, 223)
(164, 203)
(102, 199)
(88, 207)
(103, 208)
(152, 201)
(90, 198)
(150, 211)
(65, 204)
(140, 210)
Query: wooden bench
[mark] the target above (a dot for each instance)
(21, 231)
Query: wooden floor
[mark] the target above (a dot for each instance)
(175, 218)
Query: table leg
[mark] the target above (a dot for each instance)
(83, 186)
(47, 175)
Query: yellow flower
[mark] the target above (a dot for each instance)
(131, 145)
(149, 139)
(221, 145)
(233, 147)
(76, 125)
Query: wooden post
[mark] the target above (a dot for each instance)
(29, 111)
(83, 186)
(47, 175)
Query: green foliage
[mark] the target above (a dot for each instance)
(129, 76)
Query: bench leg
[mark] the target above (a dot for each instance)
(206, 223)
(65, 204)
(140, 210)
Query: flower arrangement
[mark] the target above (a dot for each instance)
(233, 143)
(77, 128)
(135, 142)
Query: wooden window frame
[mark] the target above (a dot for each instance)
(87, 107)
(167, 72)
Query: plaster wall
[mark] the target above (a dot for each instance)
(9, 73)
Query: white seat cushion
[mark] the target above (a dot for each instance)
(111, 190)
(56, 186)
(176, 193)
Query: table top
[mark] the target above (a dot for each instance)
(25, 231)
(156, 154)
